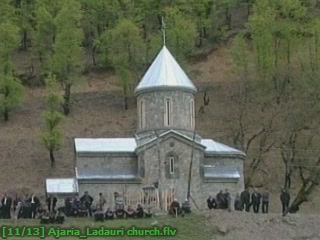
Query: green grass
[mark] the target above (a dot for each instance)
(192, 226)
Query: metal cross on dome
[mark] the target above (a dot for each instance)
(163, 27)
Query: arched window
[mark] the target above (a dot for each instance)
(167, 115)
(142, 114)
(171, 166)
(192, 117)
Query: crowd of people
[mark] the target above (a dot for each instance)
(30, 206)
(48, 212)
(244, 201)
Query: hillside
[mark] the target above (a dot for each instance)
(97, 112)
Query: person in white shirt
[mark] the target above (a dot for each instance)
(34, 205)
(6, 206)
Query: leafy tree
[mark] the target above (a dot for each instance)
(98, 16)
(10, 88)
(68, 50)
(9, 40)
(125, 49)
(226, 7)
(11, 93)
(52, 136)
(44, 34)
(25, 15)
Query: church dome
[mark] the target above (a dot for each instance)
(165, 74)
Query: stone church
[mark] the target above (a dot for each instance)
(163, 146)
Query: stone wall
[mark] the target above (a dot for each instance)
(148, 166)
(117, 163)
(107, 190)
(199, 189)
(155, 109)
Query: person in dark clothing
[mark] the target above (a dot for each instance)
(87, 200)
(227, 198)
(139, 211)
(285, 200)
(211, 203)
(51, 203)
(265, 202)
(245, 200)
(34, 202)
(130, 213)
(220, 200)
(256, 200)
(120, 212)
(99, 214)
(186, 206)
(175, 209)
(6, 203)
(109, 214)
(237, 203)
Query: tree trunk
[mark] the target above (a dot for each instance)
(302, 196)
(67, 94)
(125, 99)
(125, 103)
(52, 159)
(287, 177)
(93, 53)
(24, 40)
(6, 114)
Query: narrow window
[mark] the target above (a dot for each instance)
(192, 113)
(167, 113)
(171, 161)
(142, 115)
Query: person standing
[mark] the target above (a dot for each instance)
(102, 201)
(285, 200)
(34, 201)
(227, 198)
(51, 203)
(17, 207)
(245, 200)
(87, 200)
(265, 202)
(6, 203)
(238, 206)
(220, 200)
(256, 200)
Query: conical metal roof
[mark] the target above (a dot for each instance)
(165, 73)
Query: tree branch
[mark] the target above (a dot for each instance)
(253, 137)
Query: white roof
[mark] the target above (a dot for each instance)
(102, 145)
(216, 147)
(61, 185)
(165, 72)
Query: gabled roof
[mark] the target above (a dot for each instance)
(165, 73)
(213, 147)
(105, 145)
(173, 133)
(129, 145)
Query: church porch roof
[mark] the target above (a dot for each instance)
(61, 186)
(213, 147)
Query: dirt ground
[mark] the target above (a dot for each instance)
(245, 226)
